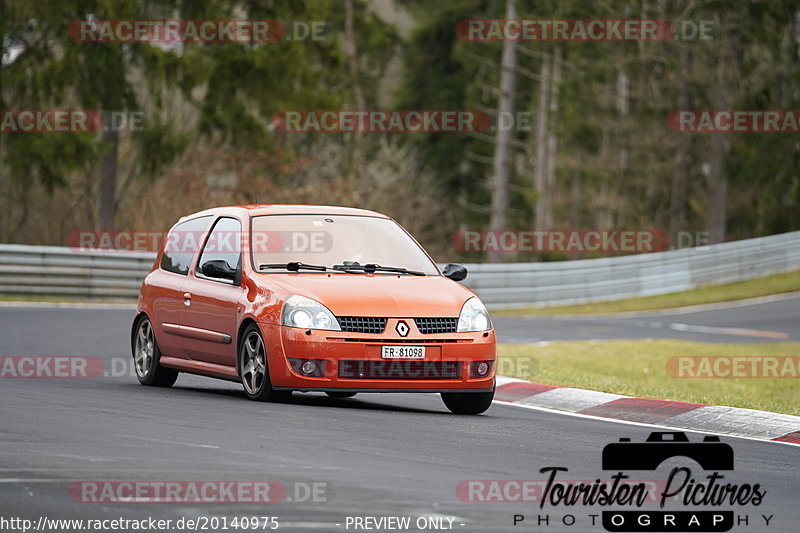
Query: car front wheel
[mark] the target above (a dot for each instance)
(253, 368)
(468, 403)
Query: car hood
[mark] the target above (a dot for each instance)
(378, 295)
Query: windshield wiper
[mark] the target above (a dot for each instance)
(371, 268)
(293, 266)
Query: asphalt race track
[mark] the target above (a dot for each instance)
(375, 455)
(768, 319)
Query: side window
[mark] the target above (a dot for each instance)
(181, 244)
(223, 244)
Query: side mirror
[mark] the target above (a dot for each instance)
(455, 271)
(218, 268)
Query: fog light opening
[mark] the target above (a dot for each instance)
(309, 368)
(480, 369)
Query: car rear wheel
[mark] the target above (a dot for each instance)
(253, 368)
(341, 394)
(468, 403)
(147, 357)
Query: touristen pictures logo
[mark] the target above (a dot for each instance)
(691, 488)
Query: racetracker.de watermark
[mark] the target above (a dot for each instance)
(564, 241)
(51, 367)
(564, 30)
(381, 121)
(68, 120)
(734, 121)
(66, 367)
(583, 30)
(207, 492)
(727, 366)
(574, 491)
(190, 241)
(197, 31)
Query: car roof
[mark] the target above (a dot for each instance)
(255, 210)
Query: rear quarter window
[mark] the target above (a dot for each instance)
(182, 242)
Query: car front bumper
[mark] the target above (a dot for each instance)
(352, 362)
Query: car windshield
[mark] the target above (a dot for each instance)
(329, 240)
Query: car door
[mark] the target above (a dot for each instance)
(210, 314)
(167, 281)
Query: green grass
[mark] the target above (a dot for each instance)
(777, 284)
(638, 368)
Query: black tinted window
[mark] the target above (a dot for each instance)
(224, 243)
(181, 244)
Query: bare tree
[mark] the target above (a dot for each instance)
(351, 51)
(717, 183)
(552, 142)
(543, 201)
(545, 141)
(502, 149)
(680, 170)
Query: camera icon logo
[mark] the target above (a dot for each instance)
(710, 454)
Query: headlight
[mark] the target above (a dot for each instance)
(305, 313)
(473, 317)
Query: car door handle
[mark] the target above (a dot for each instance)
(187, 298)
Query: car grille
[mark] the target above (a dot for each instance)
(399, 369)
(402, 341)
(362, 324)
(428, 326)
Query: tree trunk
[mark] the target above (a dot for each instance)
(623, 98)
(717, 192)
(716, 209)
(552, 143)
(546, 141)
(107, 194)
(502, 148)
(680, 171)
(351, 51)
(540, 139)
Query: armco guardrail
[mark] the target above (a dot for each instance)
(614, 278)
(56, 271)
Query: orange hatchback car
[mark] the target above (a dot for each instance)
(287, 298)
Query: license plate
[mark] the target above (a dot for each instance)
(403, 352)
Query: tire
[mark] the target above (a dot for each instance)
(468, 403)
(147, 357)
(340, 395)
(253, 369)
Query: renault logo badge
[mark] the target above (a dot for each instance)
(402, 328)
